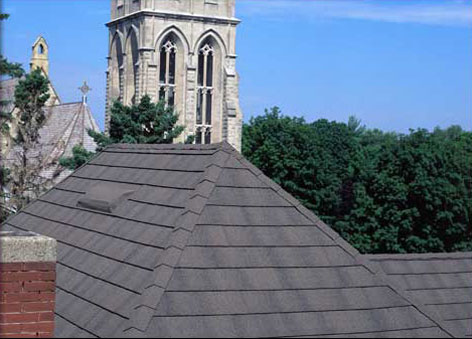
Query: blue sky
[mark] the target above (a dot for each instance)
(394, 64)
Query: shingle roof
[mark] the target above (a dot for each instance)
(208, 246)
(66, 126)
(7, 93)
(442, 281)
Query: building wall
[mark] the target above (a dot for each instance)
(136, 34)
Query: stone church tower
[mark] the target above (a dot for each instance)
(182, 52)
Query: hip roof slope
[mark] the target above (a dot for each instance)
(208, 246)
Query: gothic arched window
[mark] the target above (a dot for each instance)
(41, 49)
(131, 71)
(167, 72)
(206, 57)
(116, 70)
(203, 135)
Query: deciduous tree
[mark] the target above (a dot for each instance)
(383, 192)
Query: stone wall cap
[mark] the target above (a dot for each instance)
(18, 246)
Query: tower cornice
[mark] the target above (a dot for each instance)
(176, 16)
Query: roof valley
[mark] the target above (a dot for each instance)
(185, 224)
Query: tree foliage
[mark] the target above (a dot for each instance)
(31, 94)
(79, 157)
(12, 70)
(384, 192)
(143, 123)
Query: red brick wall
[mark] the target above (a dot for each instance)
(27, 300)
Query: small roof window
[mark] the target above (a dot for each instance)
(104, 197)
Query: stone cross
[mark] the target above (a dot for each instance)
(84, 89)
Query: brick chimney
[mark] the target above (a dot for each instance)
(27, 285)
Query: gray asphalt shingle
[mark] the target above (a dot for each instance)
(442, 281)
(207, 246)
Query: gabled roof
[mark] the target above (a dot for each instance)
(7, 93)
(39, 39)
(442, 281)
(66, 126)
(207, 246)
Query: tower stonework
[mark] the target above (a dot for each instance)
(40, 56)
(181, 52)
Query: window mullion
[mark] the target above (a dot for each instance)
(205, 57)
(167, 66)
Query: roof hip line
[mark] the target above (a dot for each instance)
(184, 226)
(344, 245)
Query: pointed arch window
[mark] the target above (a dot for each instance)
(203, 135)
(204, 112)
(167, 72)
(131, 69)
(116, 70)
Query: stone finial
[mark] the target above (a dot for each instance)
(84, 89)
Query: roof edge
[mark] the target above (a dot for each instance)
(359, 258)
(185, 147)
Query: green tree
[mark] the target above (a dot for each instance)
(12, 70)
(143, 123)
(383, 192)
(79, 157)
(31, 94)
(308, 160)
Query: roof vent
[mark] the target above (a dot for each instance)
(104, 197)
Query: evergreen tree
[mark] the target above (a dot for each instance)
(143, 123)
(31, 94)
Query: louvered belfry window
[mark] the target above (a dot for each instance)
(204, 95)
(167, 72)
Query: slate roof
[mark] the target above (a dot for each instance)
(66, 126)
(207, 246)
(7, 93)
(442, 281)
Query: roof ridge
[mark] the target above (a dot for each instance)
(91, 119)
(67, 104)
(359, 258)
(65, 136)
(185, 224)
(186, 147)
